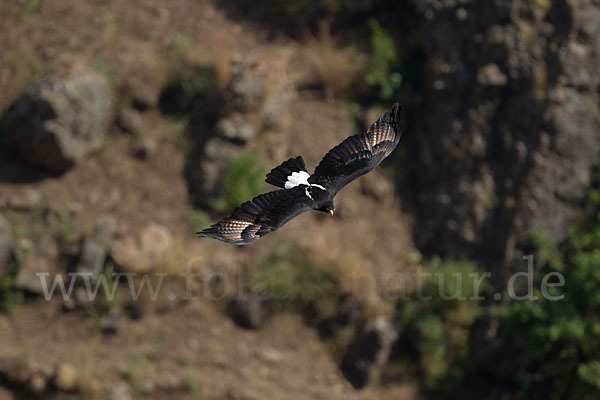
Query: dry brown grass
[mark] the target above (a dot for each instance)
(336, 68)
(219, 49)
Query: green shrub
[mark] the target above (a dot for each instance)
(198, 81)
(192, 88)
(553, 344)
(293, 279)
(242, 181)
(383, 67)
(556, 342)
(438, 315)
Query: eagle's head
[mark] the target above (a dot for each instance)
(327, 207)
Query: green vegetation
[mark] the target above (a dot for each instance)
(102, 304)
(383, 66)
(27, 9)
(190, 87)
(59, 222)
(293, 279)
(134, 372)
(550, 348)
(438, 316)
(104, 69)
(180, 46)
(189, 384)
(109, 19)
(566, 365)
(198, 82)
(340, 340)
(242, 181)
(9, 297)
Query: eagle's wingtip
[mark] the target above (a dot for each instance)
(207, 232)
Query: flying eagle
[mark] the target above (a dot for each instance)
(301, 191)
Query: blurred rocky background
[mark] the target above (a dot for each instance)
(127, 127)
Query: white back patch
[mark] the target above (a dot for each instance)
(297, 178)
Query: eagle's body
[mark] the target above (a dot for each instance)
(301, 191)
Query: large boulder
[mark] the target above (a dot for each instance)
(60, 119)
(509, 129)
(369, 352)
(142, 252)
(249, 310)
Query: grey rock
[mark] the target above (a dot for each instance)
(275, 105)
(268, 355)
(144, 148)
(249, 310)
(41, 261)
(60, 119)
(205, 172)
(5, 247)
(369, 352)
(144, 95)
(65, 377)
(92, 258)
(490, 75)
(25, 376)
(112, 323)
(105, 229)
(130, 121)
(143, 251)
(246, 89)
(121, 391)
(236, 128)
(94, 248)
(26, 200)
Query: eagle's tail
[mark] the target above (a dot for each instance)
(279, 175)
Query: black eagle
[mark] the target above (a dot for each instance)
(302, 192)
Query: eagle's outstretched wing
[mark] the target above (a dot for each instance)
(264, 214)
(360, 153)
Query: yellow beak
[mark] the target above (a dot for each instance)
(331, 212)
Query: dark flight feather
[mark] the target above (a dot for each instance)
(360, 153)
(264, 214)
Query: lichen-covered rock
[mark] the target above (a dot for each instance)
(60, 119)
